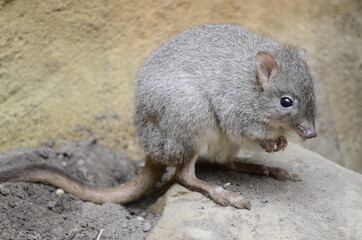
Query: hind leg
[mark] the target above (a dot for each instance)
(259, 169)
(238, 166)
(185, 175)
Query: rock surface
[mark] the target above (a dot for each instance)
(326, 204)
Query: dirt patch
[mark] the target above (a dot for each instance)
(38, 211)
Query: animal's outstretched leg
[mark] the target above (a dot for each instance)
(237, 165)
(185, 175)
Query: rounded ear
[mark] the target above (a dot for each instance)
(266, 68)
(303, 54)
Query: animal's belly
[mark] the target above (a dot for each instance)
(219, 148)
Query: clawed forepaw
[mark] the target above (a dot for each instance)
(274, 145)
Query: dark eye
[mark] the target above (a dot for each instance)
(286, 102)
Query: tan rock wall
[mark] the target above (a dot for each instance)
(67, 67)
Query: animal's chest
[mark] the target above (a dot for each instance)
(217, 147)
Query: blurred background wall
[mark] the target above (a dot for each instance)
(67, 68)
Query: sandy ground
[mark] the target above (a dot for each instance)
(36, 211)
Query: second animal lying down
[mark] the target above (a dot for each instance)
(203, 94)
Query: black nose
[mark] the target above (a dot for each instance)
(309, 133)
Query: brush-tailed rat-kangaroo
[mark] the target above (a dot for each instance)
(203, 94)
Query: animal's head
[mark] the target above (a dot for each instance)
(286, 89)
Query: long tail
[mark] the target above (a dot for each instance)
(130, 191)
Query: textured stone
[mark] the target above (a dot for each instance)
(325, 205)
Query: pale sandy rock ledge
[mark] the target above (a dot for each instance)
(327, 204)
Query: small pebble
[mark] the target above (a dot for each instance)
(226, 185)
(146, 227)
(84, 224)
(59, 192)
(139, 218)
(80, 235)
(4, 191)
(124, 225)
(265, 200)
(42, 153)
(80, 162)
(143, 214)
(51, 205)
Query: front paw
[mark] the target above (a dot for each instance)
(281, 144)
(268, 145)
(274, 145)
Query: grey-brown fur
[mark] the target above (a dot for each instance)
(205, 78)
